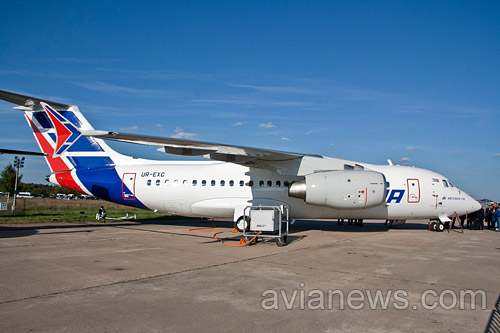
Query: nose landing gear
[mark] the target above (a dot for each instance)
(436, 226)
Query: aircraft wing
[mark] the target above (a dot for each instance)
(251, 157)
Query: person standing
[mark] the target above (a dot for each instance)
(497, 215)
(102, 214)
(480, 219)
(489, 217)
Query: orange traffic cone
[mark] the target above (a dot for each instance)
(235, 230)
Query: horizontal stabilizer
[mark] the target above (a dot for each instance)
(31, 102)
(21, 152)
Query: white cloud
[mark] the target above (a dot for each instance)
(278, 89)
(113, 88)
(315, 130)
(130, 129)
(496, 155)
(404, 160)
(267, 125)
(285, 139)
(411, 148)
(239, 123)
(180, 134)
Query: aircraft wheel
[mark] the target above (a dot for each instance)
(433, 226)
(242, 223)
(440, 226)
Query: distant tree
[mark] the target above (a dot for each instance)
(39, 189)
(7, 179)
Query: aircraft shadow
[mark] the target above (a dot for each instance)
(6, 232)
(11, 231)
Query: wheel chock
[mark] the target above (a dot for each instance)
(235, 230)
(242, 241)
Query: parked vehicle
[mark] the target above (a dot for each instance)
(27, 195)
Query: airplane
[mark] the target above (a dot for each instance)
(310, 186)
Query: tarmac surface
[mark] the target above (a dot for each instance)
(137, 277)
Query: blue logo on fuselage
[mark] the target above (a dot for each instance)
(394, 195)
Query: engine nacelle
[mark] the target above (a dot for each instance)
(344, 189)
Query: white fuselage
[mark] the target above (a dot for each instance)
(223, 190)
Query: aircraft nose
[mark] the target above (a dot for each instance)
(476, 205)
(472, 204)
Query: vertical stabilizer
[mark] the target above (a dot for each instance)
(57, 129)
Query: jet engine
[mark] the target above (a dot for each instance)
(343, 189)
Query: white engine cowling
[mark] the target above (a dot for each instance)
(343, 189)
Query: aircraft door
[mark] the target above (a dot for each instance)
(413, 190)
(128, 186)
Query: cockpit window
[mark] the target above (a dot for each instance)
(445, 183)
(451, 184)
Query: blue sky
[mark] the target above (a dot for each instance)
(417, 82)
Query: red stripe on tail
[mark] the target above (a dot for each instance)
(56, 163)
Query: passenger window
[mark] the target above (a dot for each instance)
(222, 182)
(445, 183)
(242, 183)
(203, 183)
(286, 183)
(250, 183)
(269, 183)
(184, 182)
(157, 182)
(261, 183)
(167, 182)
(212, 183)
(278, 183)
(176, 182)
(231, 183)
(195, 182)
(149, 182)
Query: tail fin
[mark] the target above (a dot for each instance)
(57, 130)
(58, 135)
